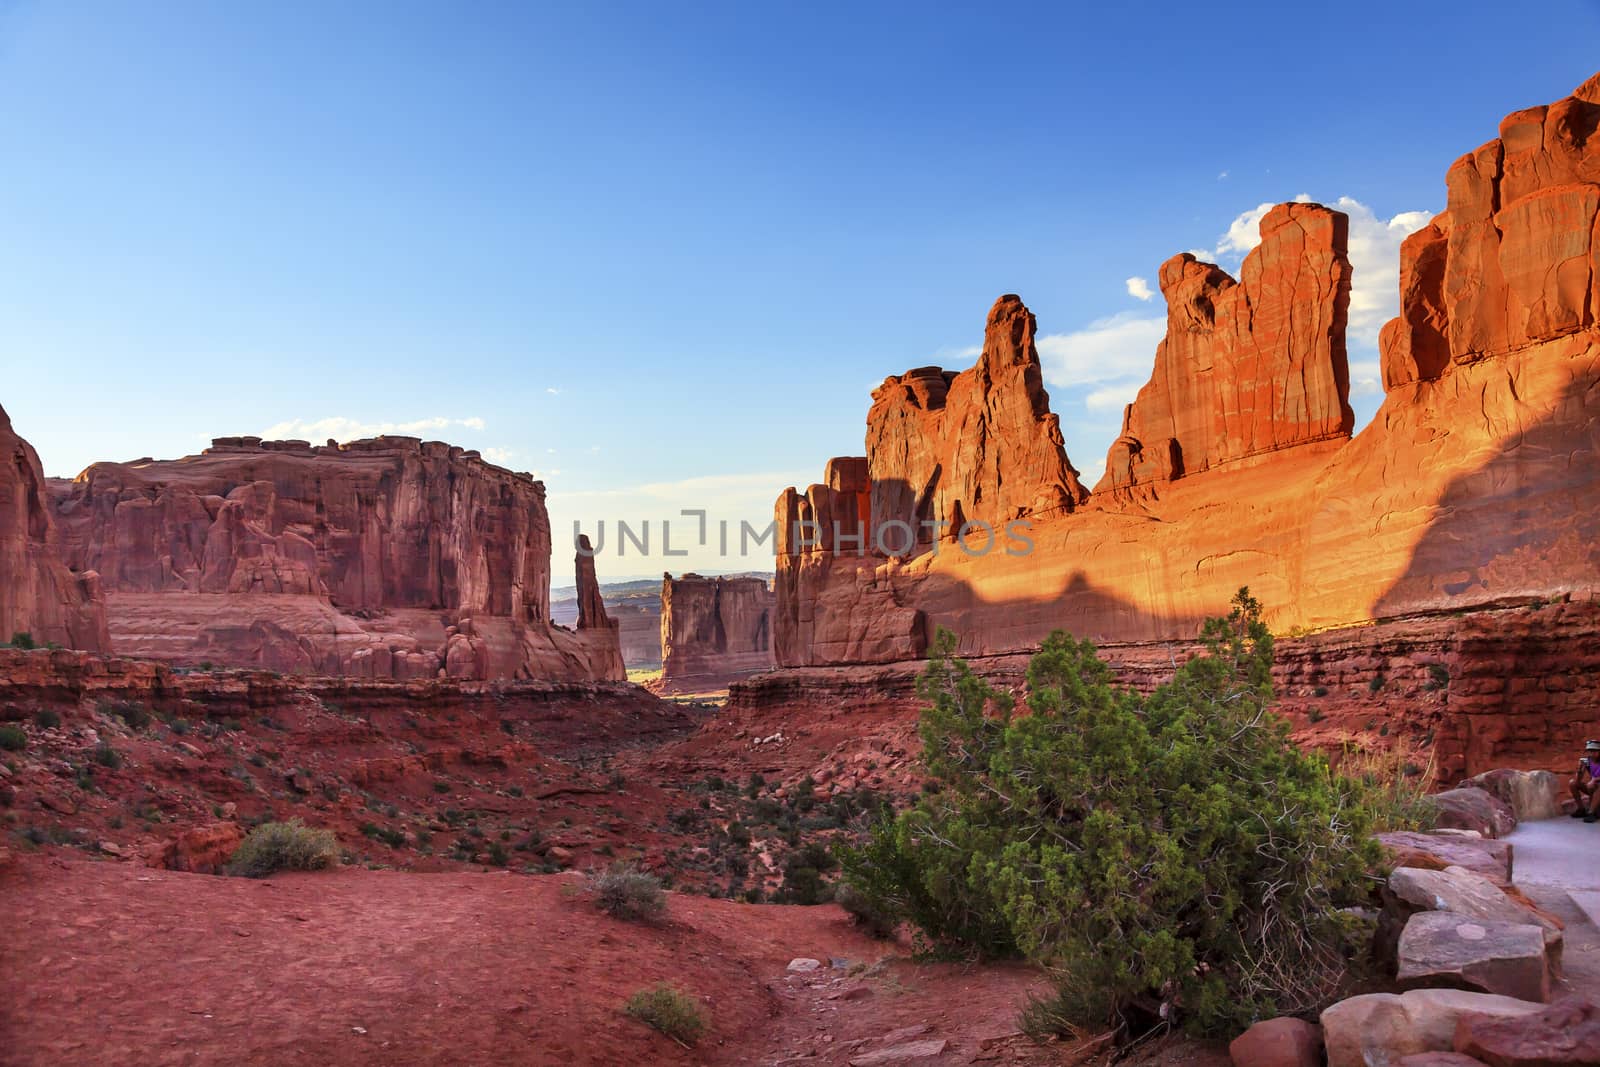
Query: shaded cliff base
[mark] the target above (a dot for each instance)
(1468, 691)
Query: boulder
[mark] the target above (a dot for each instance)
(906, 1052)
(1282, 1042)
(1380, 1029)
(1470, 808)
(1531, 795)
(1565, 1033)
(1463, 892)
(1440, 949)
(1440, 1059)
(203, 850)
(1439, 850)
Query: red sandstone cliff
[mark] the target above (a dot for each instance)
(1476, 484)
(384, 558)
(39, 595)
(1247, 367)
(713, 630)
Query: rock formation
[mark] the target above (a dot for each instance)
(1473, 488)
(1247, 367)
(39, 595)
(382, 558)
(944, 449)
(1513, 260)
(713, 630)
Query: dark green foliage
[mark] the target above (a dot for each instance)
(863, 911)
(107, 756)
(283, 846)
(135, 714)
(1438, 676)
(670, 1010)
(1377, 682)
(387, 834)
(13, 738)
(1183, 828)
(803, 871)
(45, 719)
(22, 639)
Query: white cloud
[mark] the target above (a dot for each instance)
(341, 428)
(1366, 378)
(500, 456)
(1243, 234)
(553, 391)
(1374, 248)
(1139, 288)
(1375, 261)
(1107, 350)
(1089, 473)
(1222, 176)
(1112, 397)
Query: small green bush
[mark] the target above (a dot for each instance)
(625, 892)
(13, 738)
(22, 639)
(283, 846)
(135, 714)
(1438, 676)
(670, 1010)
(107, 756)
(802, 875)
(45, 719)
(1182, 827)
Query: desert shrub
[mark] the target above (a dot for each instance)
(1182, 827)
(46, 719)
(22, 639)
(135, 714)
(283, 846)
(803, 871)
(865, 913)
(13, 738)
(1438, 676)
(107, 756)
(625, 892)
(1395, 782)
(670, 1010)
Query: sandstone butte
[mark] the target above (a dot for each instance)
(1473, 488)
(387, 558)
(713, 630)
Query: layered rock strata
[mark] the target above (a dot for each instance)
(713, 630)
(381, 558)
(40, 596)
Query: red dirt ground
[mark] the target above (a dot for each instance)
(116, 963)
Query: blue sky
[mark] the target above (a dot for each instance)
(659, 254)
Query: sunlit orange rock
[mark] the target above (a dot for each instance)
(1247, 367)
(1475, 487)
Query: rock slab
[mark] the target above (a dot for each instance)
(1442, 949)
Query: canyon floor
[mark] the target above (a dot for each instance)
(457, 930)
(453, 934)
